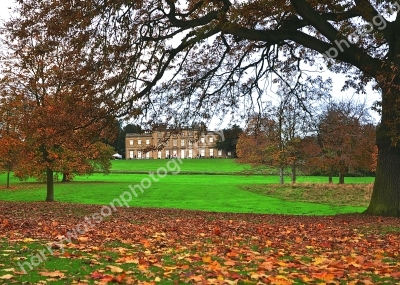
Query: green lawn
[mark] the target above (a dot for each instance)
(225, 192)
(188, 165)
(219, 193)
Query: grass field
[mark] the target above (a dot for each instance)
(189, 165)
(217, 193)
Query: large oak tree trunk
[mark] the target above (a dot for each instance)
(50, 185)
(385, 200)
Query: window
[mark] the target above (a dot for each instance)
(182, 153)
(131, 154)
(203, 152)
(182, 142)
(159, 154)
(174, 142)
(190, 143)
(130, 142)
(211, 139)
(229, 153)
(147, 141)
(139, 141)
(220, 152)
(190, 155)
(202, 140)
(167, 154)
(211, 152)
(139, 154)
(148, 154)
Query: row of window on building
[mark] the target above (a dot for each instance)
(183, 153)
(174, 141)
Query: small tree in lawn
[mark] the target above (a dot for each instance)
(311, 159)
(294, 120)
(346, 139)
(287, 122)
(11, 143)
(60, 108)
(260, 144)
(273, 140)
(11, 150)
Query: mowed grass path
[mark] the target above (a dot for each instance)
(216, 193)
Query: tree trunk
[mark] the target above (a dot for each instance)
(341, 178)
(8, 179)
(65, 177)
(330, 176)
(293, 173)
(385, 200)
(281, 178)
(342, 172)
(50, 185)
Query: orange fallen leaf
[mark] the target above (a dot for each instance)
(6, 277)
(115, 269)
(217, 231)
(197, 278)
(229, 263)
(207, 259)
(325, 276)
(83, 239)
(119, 278)
(57, 274)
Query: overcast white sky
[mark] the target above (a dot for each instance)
(337, 79)
(4, 5)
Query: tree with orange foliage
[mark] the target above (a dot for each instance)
(11, 144)
(278, 132)
(266, 141)
(61, 111)
(253, 142)
(344, 141)
(374, 159)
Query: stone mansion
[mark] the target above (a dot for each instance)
(188, 143)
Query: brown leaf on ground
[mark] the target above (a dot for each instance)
(211, 248)
(54, 274)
